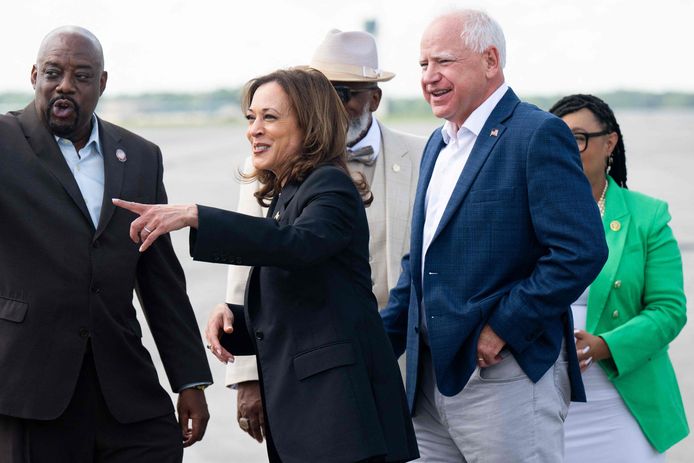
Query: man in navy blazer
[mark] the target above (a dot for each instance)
(505, 236)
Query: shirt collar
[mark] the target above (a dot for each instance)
(372, 138)
(93, 137)
(477, 118)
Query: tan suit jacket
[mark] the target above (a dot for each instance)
(398, 162)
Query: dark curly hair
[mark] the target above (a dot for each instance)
(322, 119)
(603, 113)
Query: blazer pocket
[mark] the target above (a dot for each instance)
(497, 194)
(13, 310)
(324, 358)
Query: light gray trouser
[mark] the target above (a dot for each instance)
(500, 416)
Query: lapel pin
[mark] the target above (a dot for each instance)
(120, 154)
(615, 225)
(494, 133)
(277, 215)
(396, 168)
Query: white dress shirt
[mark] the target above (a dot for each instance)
(87, 166)
(451, 162)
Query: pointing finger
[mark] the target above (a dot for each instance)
(137, 208)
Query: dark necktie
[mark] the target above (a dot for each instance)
(364, 155)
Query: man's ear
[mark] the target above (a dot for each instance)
(34, 74)
(375, 100)
(491, 61)
(102, 82)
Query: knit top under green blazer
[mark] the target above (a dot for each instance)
(637, 305)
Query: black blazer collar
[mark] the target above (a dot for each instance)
(44, 146)
(114, 171)
(46, 149)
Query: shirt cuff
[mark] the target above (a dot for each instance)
(244, 368)
(192, 385)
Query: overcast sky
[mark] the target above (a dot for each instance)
(554, 46)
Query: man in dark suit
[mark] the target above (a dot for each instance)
(78, 385)
(505, 236)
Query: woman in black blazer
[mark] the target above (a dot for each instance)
(331, 388)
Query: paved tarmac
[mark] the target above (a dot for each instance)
(200, 167)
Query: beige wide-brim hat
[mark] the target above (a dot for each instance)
(349, 57)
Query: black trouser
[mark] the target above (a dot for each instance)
(87, 432)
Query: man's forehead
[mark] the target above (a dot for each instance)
(75, 61)
(79, 50)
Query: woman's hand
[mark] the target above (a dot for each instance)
(220, 321)
(590, 348)
(157, 219)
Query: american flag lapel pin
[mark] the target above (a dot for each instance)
(494, 133)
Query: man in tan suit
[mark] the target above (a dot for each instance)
(390, 162)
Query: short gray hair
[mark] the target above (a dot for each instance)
(480, 31)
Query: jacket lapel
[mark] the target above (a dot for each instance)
(492, 131)
(397, 194)
(44, 145)
(616, 224)
(431, 153)
(114, 171)
(283, 200)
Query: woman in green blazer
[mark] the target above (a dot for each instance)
(632, 311)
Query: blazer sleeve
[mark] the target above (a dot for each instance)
(566, 222)
(396, 311)
(161, 288)
(328, 206)
(663, 312)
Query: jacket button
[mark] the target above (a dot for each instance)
(618, 284)
(84, 333)
(96, 244)
(416, 329)
(259, 335)
(615, 314)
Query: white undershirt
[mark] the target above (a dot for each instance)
(450, 163)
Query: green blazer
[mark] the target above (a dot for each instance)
(637, 305)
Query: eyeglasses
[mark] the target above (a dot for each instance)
(582, 138)
(346, 93)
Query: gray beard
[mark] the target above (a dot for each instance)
(358, 126)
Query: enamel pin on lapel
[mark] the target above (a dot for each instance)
(120, 154)
(277, 215)
(494, 133)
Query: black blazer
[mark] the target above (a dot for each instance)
(331, 387)
(63, 282)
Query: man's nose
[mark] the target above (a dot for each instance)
(67, 84)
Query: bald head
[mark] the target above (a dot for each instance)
(61, 34)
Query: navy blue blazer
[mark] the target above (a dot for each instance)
(519, 241)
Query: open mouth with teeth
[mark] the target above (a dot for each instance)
(440, 92)
(63, 109)
(260, 147)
